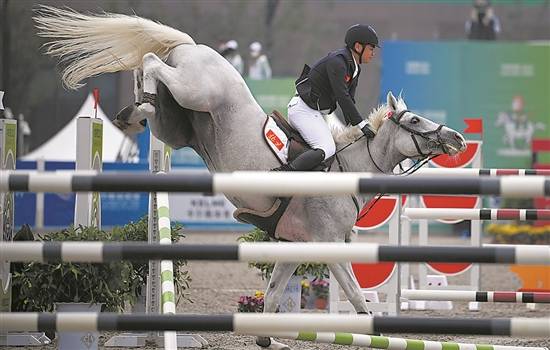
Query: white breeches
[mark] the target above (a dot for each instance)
(311, 125)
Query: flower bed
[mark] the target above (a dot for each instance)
(519, 234)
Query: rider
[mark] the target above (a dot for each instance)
(332, 79)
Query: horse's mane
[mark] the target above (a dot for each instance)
(348, 133)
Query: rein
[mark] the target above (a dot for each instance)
(432, 144)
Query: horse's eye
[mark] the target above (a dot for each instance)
(415, 120)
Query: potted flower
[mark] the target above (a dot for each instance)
(251, 303)
(293, 294)
(320, 288)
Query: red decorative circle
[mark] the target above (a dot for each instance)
(449, 268)
(373, 275)
(460, 160)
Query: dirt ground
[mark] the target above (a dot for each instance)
(217, 286)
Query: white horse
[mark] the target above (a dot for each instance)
(519, 130)
(191, 96)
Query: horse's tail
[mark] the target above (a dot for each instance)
(92, 44)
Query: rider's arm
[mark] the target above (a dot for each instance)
(336, 69)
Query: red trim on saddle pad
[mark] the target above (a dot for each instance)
(275, 140)
(267, 142)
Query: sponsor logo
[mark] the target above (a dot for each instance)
(274, 139)
(418, 68)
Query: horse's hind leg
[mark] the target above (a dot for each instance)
(345, 277)
(277, 284)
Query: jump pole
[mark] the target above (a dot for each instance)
(268, 323)
(475, 172)
(100, 252)
(388, 343)
(477, 296)
(271, 183)
(477, 214)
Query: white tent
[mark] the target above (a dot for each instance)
(62, 146)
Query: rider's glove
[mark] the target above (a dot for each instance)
(366, 129)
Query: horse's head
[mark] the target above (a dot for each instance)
(418, 137)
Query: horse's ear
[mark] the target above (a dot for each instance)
(391, 101)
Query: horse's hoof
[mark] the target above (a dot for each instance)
(125, 113)
(270, 343)
(123, 121)
(278, 346)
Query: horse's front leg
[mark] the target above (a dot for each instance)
(186, 83)
(346, 278)
(277, 284)
(130, 119)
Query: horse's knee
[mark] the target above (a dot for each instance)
(148, 59)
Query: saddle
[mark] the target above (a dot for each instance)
(296, 143)
(286, 143)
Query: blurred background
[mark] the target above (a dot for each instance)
(450, 60)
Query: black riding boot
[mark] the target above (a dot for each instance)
(305, 161)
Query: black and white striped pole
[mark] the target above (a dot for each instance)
(248, 323)
(99, 252)
(278, 184)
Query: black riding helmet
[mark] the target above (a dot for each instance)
(363, 34)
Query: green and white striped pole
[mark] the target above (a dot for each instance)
(159, 231)
(168, 295)
(378, 342)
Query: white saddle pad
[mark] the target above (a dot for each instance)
(276, 139)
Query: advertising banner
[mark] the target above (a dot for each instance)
(505, 84)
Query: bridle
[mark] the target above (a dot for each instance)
(432, 144)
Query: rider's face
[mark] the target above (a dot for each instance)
(368, 53)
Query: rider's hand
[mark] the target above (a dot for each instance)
(366, 129)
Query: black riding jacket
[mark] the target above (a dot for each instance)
(330, 81)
